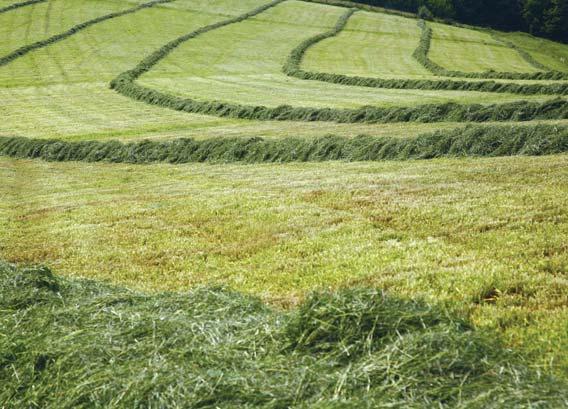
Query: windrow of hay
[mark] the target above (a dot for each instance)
(71, 343)
(20, 52)
(19, 5)
(477, 141)
(294, 62)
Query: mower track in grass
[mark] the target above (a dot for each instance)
(127, 84)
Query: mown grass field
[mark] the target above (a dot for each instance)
(472, 51)
(375, 43)
(470, 249)
(242, 63)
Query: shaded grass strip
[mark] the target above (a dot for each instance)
(423, 49)
(71, 343)
(19, 5)
(292, 68)
(22, 51)
(476, 141)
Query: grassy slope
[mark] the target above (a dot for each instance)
(468, 50)
(63, 83)
(429, 229)
(66, 86)
(42, 20)
(242, 63)
(380, 45)
(371, 44)
(549, 53)
(415, 228)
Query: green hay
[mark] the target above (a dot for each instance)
(80, 344)
(479, 141)
(293, 68)
(19, 5)
(20, 52)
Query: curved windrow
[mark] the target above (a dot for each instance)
(14, 6)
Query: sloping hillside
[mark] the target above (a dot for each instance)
(279, 148)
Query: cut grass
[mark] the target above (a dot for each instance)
(460, 49)
(549, 53)
(422, 55)
(72, 343)
(57, 91)
(471, 141)
(62, 36)
(242, 64)
(43, 20)
(371, 45)
(9, 5)
(106, 49)
(486, 233)
(293, 68)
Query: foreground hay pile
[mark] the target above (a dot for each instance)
(70, 343)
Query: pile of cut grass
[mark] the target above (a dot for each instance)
(73, 343)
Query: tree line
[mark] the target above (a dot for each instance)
(544, 18)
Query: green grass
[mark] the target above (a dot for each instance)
(549, 53)
(92, 111)
(242, 63)
(466, 50)
(62, 91)
(372, 44)
(479, 241)
(42, 20)
(293, 68)
(74, 343)
(488, 234)
(105, 49)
